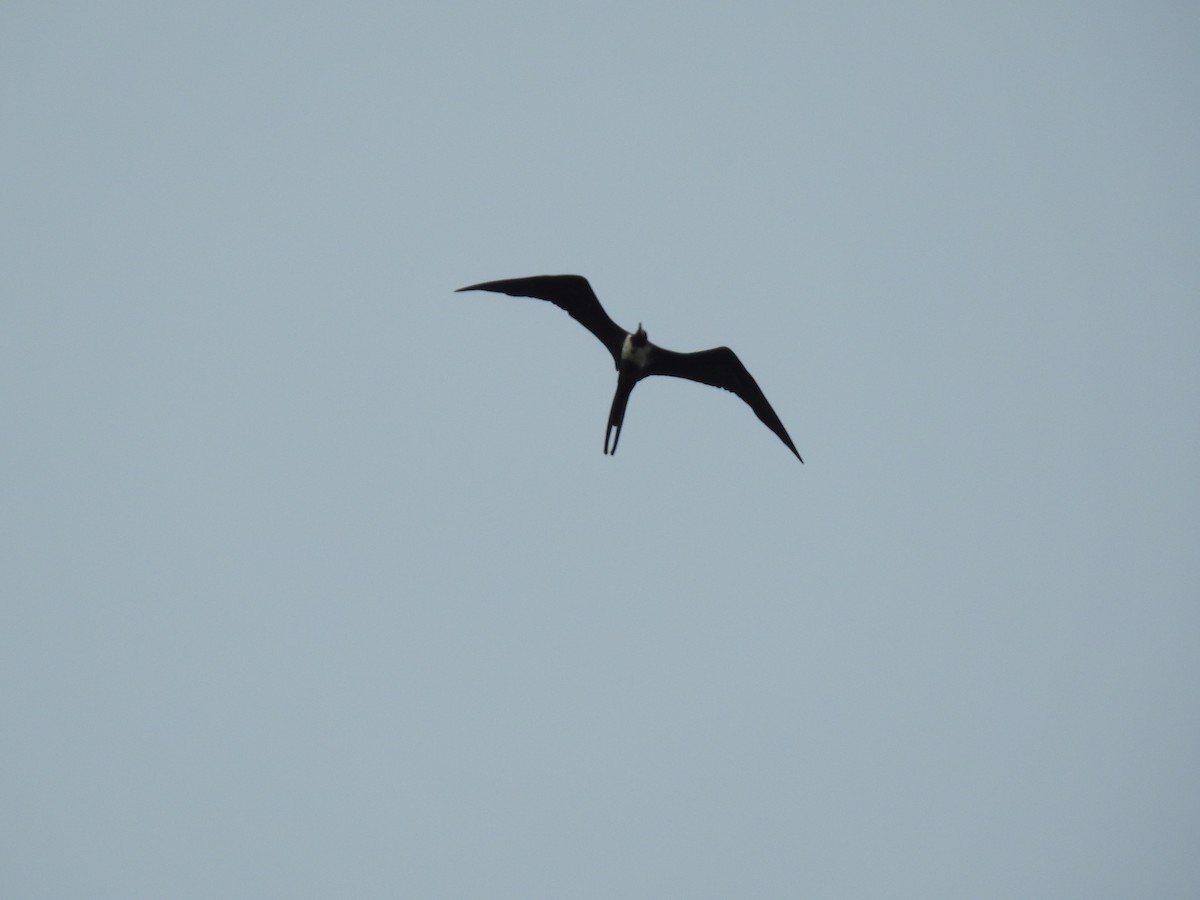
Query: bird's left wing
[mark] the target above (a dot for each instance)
(720, 367)
(569, 292)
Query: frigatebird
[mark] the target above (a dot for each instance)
(635, 357)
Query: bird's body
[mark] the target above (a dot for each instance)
(633, 354)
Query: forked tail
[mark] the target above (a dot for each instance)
(616, 415)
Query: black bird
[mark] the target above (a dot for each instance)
(635, 356)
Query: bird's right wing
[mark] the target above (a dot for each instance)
(568, 292)
(721, 368)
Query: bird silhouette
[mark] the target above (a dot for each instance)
(633, 354)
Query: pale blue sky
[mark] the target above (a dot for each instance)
(317, 583)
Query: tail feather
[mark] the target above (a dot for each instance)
(616, 415)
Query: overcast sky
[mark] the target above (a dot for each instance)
(316, 582)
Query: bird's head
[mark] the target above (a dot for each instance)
(639, 337)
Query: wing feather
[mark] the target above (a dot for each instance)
(720, 367)
(568, 292)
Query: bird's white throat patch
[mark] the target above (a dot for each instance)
(639, 356)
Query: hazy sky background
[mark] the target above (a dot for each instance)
(317, 583)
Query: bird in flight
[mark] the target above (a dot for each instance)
(635, 357)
